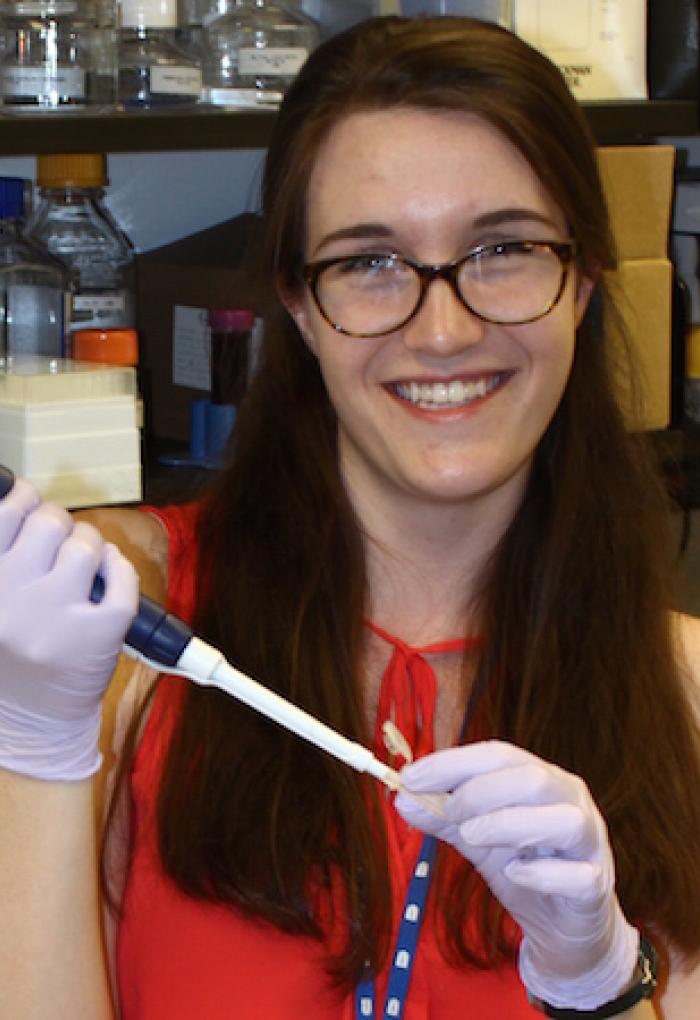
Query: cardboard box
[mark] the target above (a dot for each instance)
(638, 184)
(642, 289)
(215, 268)
(599, 46)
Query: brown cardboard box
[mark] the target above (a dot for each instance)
(215, 268)
(642, 289)
(638, 183)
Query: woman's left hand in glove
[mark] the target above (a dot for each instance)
(534, 833)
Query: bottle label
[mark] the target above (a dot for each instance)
(67, 82)
(280, 61)
(97, 311)
(39, 8)
(172, 80)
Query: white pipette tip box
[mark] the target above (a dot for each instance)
(72, 428)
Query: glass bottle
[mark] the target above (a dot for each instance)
(46, 63)
(73, 223)
(253, 51)
(33, 285)
(498, 11)
(153, 70)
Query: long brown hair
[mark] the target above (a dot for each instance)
(578, 664)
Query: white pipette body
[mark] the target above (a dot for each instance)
(207, 667)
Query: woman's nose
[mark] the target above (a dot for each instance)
(443, 325)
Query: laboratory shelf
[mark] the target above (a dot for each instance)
(212, 128)
(135, 131)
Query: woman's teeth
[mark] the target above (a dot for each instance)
(433, 396)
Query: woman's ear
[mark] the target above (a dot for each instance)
(297, 304)
(584, 289)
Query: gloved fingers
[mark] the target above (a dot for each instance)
(536, 782)
(443, 771)
(420, 816)
(562, 828)
(77, 561)
(582, 883)
(20, 501)
(121, 592)
(34, 551)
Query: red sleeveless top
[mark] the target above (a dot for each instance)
(187, 960)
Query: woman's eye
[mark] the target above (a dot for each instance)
(369, 264)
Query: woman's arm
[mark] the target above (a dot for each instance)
(680, 999)
(52, 962)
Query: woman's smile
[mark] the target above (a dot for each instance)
(447, 394)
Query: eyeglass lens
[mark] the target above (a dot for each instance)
(371, 294)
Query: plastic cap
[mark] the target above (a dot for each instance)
(231, 319)
(79, 170)
(11, 198)
(148, 13)
(109, 346)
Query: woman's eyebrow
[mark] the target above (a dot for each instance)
(494, 218)
(516, 214)
(355, 231)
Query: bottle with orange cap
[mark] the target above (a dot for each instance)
(72, 221)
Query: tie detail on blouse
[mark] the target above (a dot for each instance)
(408, 692)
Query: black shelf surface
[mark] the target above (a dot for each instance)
(135, 131)
(211, 128)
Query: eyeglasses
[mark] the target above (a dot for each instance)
(508, 283)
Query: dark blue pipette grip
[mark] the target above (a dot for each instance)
(154, 633)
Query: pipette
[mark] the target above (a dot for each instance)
(164, 642)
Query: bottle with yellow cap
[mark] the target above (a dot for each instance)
(74, 224)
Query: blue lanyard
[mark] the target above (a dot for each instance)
(406, 944)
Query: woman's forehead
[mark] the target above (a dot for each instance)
(419, 167)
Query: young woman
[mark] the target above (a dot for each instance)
(432, 516)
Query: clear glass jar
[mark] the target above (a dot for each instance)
(73, 224)
(336, 15)
(153, 70)
(498, 11)
(47, 63)
(33, 286)
(253, 52)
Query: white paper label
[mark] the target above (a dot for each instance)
(243, 98)
(191, 347)
(68, 82)
(37, 8)
(599, 45)
(97, 303)
(176, 81)
(274, 60)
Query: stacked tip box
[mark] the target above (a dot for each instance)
(72, 428)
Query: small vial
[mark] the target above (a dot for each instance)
(231, 332)
(153, 70)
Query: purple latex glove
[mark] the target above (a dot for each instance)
(533, 832)
(57, 649)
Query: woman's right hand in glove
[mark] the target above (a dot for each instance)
(57, 648)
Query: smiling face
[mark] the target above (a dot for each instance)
(447, 409)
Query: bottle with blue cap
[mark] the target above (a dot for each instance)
(34, 288)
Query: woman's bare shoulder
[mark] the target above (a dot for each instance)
(141, 537)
